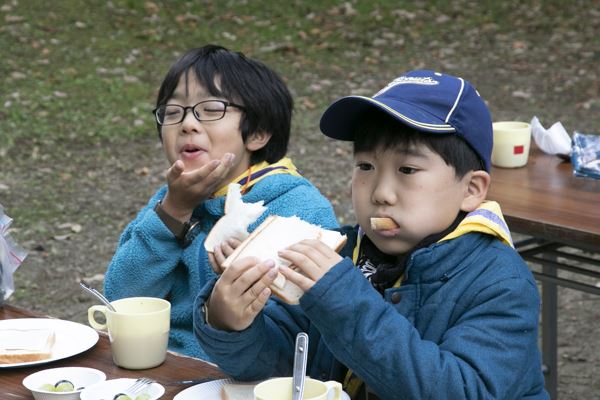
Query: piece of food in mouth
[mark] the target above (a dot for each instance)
(383, 223)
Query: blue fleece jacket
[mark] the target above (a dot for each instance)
(463, 325)
(150, 262)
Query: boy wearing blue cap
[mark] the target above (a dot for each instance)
(448, 309)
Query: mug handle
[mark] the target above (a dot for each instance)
(92, 319)
(334, 390)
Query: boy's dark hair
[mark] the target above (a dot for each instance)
(379, 129)
(267, 101)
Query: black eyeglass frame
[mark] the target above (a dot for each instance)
(185, 111)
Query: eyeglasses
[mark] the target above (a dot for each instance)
(208, 110)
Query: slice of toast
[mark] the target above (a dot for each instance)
(25, 345)
(237, 391)
(277, 233)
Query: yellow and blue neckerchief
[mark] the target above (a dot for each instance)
(487, 218)
(255, 173)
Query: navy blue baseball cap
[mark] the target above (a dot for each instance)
(425, 100)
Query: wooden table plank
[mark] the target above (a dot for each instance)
(544, 199)
(175, 367)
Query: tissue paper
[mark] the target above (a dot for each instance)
(555, 141)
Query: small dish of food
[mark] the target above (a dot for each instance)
(113, 389)
(62, 383)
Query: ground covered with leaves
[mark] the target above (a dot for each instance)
(79, 155)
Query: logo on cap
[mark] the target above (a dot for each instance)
(405, 80)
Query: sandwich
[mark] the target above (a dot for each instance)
(277, 233)
(25, 345)
(237, 391)
(274, 234)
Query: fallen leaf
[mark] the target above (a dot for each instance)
(61, 238)
(142, 171)
(521, 94)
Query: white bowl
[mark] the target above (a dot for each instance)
(108, 389)
(80, 377)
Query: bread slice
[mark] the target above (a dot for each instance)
(237, 391)
(25, 345)
(277, 233)
(234, 223)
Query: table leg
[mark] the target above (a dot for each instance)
(550, 332)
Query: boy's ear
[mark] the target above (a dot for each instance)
(476, 187)
(257, 140)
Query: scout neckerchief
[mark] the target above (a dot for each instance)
(255, 173)
(485, 219)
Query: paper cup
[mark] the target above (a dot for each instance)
(511, 144)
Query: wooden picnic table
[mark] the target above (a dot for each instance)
(175, 367)
(557, 211)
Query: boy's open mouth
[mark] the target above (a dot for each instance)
(190, 150)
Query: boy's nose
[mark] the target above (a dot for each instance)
(383, 193)
(190, 124)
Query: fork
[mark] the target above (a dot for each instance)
(139, 385)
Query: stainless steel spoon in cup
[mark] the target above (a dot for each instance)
(299, 374)
(99, 295)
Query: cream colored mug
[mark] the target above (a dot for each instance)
(138, 330)
(511, 144)
(281, 389)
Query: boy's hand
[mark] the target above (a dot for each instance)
(189, 188)
(220, 254)
(311, 257)
(240, 294)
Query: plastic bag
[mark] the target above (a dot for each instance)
(11, 256)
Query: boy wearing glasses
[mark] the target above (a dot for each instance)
(431, 300)
(221, 118)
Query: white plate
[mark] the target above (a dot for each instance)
(71, 337)
(212, 391)
(108, 389)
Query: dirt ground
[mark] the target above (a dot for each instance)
(551, 72)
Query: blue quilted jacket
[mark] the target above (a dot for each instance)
(463, 325)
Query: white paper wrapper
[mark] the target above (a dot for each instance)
(554, 140)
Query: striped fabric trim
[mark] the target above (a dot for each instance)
(492, 217)
(433, 127)
(258, 174)
(462, 86)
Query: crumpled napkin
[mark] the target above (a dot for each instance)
(586, 155)
(11, 256)
(554, 140)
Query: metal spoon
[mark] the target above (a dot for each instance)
(300, 356)
(98, 295)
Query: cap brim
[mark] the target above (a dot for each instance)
(340, 118)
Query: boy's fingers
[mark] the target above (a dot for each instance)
(218, 257)
(213, 263)
(303, 282)
(175, 170)
(296, 254)
(259, 303)
(226, 249)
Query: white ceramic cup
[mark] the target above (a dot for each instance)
(281, 389)
(511, 144)
(138, 330)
